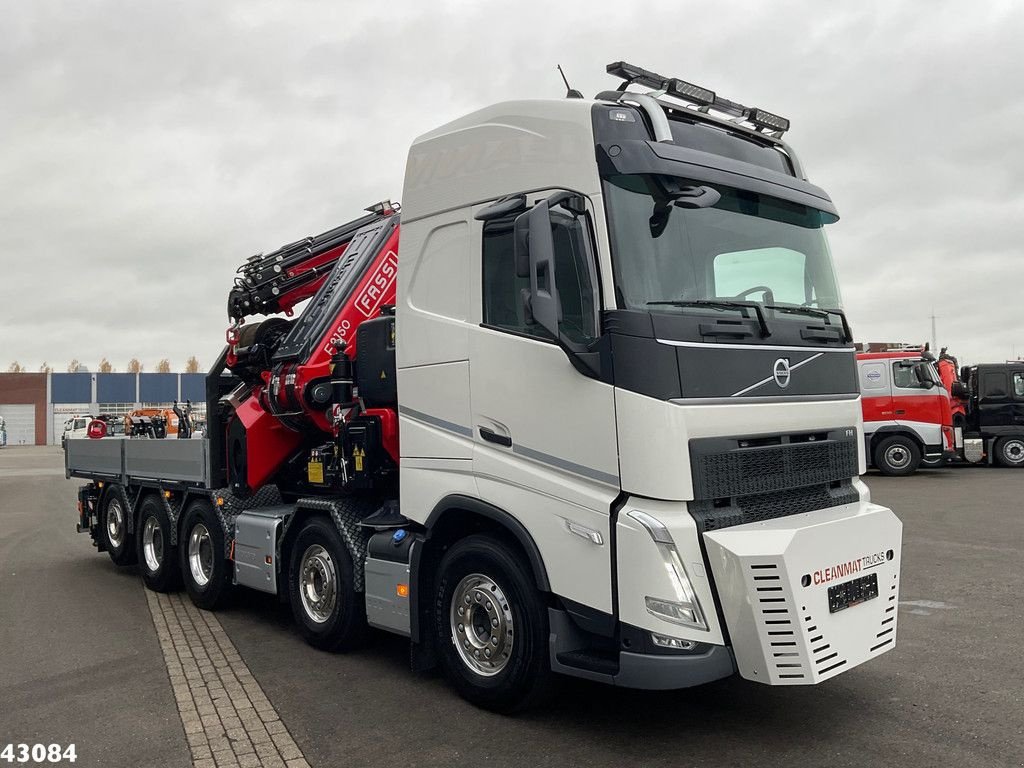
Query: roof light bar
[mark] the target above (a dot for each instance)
(673, 86)
(761, 119)
(764, 119)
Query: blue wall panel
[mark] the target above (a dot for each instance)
(71, 388)
(158, 387)
(193, 387)
(115, 387)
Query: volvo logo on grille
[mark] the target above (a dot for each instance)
(781, 372)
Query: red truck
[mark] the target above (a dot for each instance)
(908, 420)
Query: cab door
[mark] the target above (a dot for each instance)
(995, 402)
(544, 433)
(876, 393)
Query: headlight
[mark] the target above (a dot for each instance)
(682, 607)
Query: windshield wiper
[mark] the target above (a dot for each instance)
(816, 312)
(723, 305)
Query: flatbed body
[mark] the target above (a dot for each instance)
(164, 463)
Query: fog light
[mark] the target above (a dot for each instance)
(677, 613)
(675, 643)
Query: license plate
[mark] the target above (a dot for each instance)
(851, 593)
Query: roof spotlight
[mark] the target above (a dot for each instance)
(690, 92)
(763, 119)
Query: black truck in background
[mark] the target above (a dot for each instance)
(988, 409)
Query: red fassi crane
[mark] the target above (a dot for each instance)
(287, 413)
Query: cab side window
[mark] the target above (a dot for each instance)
(905, 377)
(993, 385)
(1018, 384)
(504, 289)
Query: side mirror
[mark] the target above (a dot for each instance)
(535, 258)
(534, 253)
(959, 391)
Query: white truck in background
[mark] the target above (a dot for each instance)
(75, 427)
(626, 439)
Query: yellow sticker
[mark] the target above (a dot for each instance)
(315, 472)
(358, 454)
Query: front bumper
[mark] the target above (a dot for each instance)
(662, 673)
(781, 590)
(638, 667)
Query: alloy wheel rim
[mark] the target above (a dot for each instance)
(115, 523)
(318, 583)
(1014, 451)
(200, 555)
(897, 456)
(153, 544)
(481, 625)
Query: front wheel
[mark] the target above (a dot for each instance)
(158, 558)
(329, 612)
(491, 626)
(116, 540)
(897, 455)
(1010, 452)
(204, 566)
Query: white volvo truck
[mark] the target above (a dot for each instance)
(629, 422)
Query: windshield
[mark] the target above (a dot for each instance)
(746, 247)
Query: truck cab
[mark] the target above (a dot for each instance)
(76, 426)
(994, 412)
(907, 415)
(619, 329)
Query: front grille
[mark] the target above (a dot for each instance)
(744, 480)
(768, 506)
(744, 471)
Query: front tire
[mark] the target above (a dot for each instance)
(1010, 452)
(897, 456)
(114, 515)
(158, 558)
(204, 566)
(330, 614)
(491, 625)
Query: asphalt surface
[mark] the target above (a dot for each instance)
(80, 662)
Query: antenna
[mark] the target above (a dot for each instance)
(570, 92)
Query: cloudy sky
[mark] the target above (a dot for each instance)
(148, 148)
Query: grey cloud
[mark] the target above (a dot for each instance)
(146, 149)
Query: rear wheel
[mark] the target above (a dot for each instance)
(491, 626)
(897, 455)
(1010, 451)
(204, 566)
(158, 558)
(330, 614)
(114, 528)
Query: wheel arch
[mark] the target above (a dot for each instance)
(893, 430)
(456, 516)
(295, 523)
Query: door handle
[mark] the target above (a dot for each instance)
(493, 437)
(900, 413)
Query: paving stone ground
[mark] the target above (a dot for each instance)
(229, 722)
